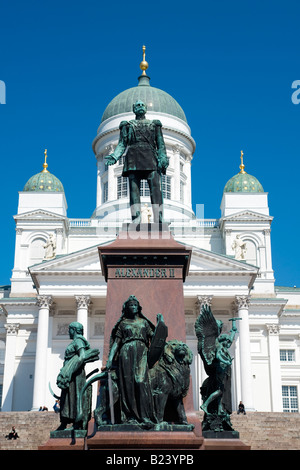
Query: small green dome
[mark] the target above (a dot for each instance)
(44, 181)
(156, 100)
(243, 182)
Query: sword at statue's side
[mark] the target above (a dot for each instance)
(111, 398)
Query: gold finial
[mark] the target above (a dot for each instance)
(242, 166)
(45, 164)
(144, 65)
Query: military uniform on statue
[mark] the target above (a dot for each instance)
(145, 159)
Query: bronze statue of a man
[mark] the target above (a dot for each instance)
(146, 158)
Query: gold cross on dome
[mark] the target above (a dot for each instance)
(45, 165)
(242, 166)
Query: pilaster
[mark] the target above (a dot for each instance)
(275, 374)
(9, 369)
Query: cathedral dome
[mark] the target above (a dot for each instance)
(243, 182)
(44, 181)
(156, 100)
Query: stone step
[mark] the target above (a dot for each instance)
(33, 428)
(262, 431)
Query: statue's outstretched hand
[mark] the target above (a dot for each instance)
(110, 160)
(162, 163)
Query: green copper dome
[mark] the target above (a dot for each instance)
(243, 182)
(157, 100)
(44, 181)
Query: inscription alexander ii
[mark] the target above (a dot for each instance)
(145, 273)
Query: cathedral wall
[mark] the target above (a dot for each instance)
(237, 202)
(261, 385)
(53, 202)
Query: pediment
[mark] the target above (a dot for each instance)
(203, 261)
(39, 214)
(247, 216)
(86, 263)
(84, 260)
(88, 260)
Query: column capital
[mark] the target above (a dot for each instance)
(273, 328)
(203, 300)
(242, 301)
(110, 148)
(44, 301)
(177, 148)
(83, 301)
(12, 328)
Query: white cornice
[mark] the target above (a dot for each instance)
(38, 213)
(246, 216)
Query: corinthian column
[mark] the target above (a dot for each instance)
(83, 302)
(242, 304)
(275, 375)
(40, 375)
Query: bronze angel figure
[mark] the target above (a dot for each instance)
(213, 347)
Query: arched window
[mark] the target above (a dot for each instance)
(37, 251)
(251, 252)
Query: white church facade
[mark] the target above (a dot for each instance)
(57, 279)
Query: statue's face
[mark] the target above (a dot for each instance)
(71, 332)
(139, 108)
(132, 308)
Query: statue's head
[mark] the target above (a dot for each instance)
(75, 327)
(131, 299)
(139, 108)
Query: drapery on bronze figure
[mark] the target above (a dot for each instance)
(145, 378)
(72, 378)
(130, 340)
(146, 158)
(216, 389)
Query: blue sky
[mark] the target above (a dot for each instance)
(229, 64)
